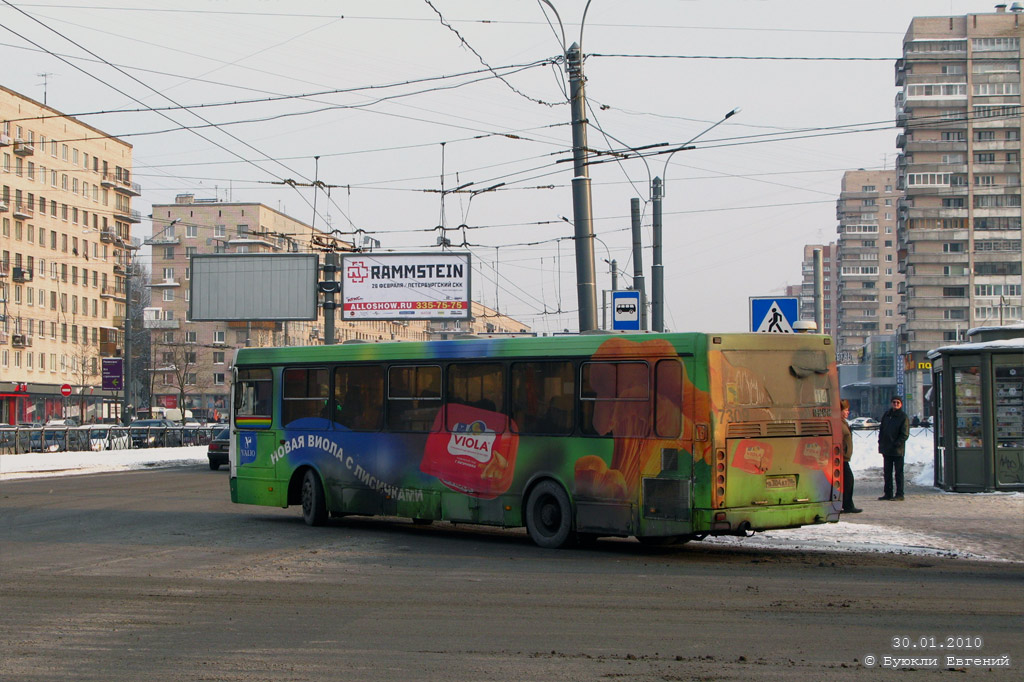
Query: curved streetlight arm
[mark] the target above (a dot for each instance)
(559, 18)
(686, 145)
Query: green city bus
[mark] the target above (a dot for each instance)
(665, 437)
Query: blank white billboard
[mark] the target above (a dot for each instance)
(250, 286)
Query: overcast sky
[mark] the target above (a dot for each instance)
(420, 92)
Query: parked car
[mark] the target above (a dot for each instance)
(154, 433)
(217, 451)
(67, 421)
(864, 423)
(108, 438)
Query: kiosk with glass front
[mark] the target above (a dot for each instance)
(979, 405)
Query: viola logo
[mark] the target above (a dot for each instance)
(472, 440)
(812, 451)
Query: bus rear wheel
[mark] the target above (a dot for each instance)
(549, 515)
(314, 504)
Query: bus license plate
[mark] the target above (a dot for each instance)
(775, 482)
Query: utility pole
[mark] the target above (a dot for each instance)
(657, 268)
(639, 282)
(586, 288)
(125, 401)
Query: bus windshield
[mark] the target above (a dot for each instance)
(760, 378)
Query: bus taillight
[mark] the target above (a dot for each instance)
(720, 477)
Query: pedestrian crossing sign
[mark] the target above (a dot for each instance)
(775, 315)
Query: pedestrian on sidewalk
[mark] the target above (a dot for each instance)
(893, 433)
(848, 507)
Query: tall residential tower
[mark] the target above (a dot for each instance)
(960, 224)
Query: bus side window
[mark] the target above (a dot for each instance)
(414, 397)
(615, 399)
(668, 409)
(543, 397)
(304, 395)
(479, 385)
(359, 397)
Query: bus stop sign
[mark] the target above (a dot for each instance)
(626, 310)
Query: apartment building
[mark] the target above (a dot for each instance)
(65, 218)
(959, 225)
(869, 281)
(191, 361)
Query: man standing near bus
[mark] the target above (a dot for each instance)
(848, 507)
(892, 437)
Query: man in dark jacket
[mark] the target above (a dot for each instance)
(892, 436)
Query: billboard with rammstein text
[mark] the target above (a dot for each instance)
(418, 286)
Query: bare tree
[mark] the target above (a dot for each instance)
(85, 368)
(179, 364)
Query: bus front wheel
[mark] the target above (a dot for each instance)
(314, 505)
(549, 515)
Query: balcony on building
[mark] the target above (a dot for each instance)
(5, 140)
(23, 211)
(126, 186)
(935, 146)
(118, 320)
(164, 283)
(108, 237)
(109, 349)
(152, 319)
(111, 292)
(162, 240)
(20, 274)
(127, 215)
(22, 148)
(937, 258)
(252, 240)
(934, 325)
(900, 72)
(4, 206)
(996, 145)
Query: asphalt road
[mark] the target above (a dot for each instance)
(155, 575)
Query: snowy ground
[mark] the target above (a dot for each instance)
(855, 536)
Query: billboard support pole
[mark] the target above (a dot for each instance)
(330, 267)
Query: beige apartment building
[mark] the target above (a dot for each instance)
(959, 229)
(869, 282)
(191, 361)
(65, 216)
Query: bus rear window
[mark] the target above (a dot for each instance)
(771, 379)
(254, 392)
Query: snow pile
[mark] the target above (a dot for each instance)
(918, 460)
(40, 464)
